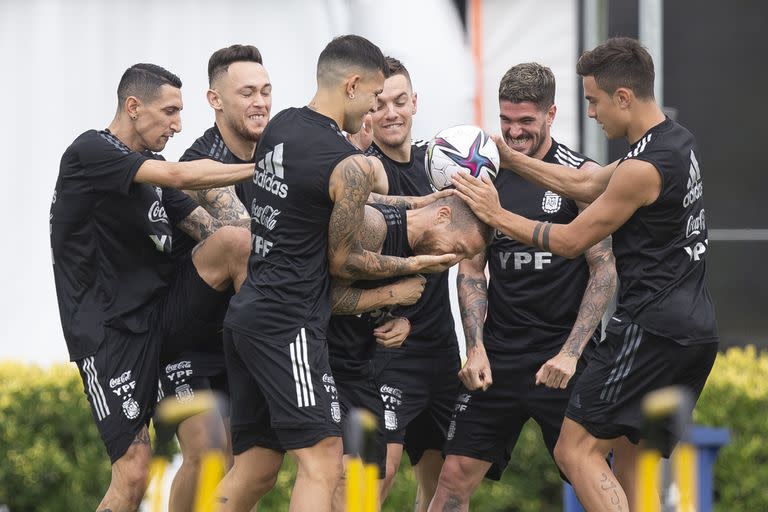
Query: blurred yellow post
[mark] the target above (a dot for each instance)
(354, 487)
(363, 470)
(684, 464)
(664, 409)
(156, 474)
(211, 473)
(648, 481)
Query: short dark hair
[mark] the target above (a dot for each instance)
(619, 62)
(221, 59)
(462, 217)
(529, 81)
(395, 67)
(349, 51)
(144, 81)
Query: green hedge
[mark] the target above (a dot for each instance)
(52, 460)
(736, 396)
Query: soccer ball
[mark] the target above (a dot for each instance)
(460, 148)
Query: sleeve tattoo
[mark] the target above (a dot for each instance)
(600, 289)
(199, 224)
(222, 203)
(398, 201)
(473, 299)
(345, 251)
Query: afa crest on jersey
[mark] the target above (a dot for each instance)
(551, 202)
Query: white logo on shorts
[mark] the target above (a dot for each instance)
(184, 393)
(451, 430)
(390, 420)
(131, 409)
(335, 411)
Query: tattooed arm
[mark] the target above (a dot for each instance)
(557, 372)
(200, 224)
(222, 203)
(349, 187)
(472, 289)
(346, 300)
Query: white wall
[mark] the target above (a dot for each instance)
(62, 61)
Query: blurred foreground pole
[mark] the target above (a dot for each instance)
(363, 469)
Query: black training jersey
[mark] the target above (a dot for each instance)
(533, 295)
(111, 240)
(432, 326)
(210, 145)
(661, 250)
(288, 282)
(350, 337)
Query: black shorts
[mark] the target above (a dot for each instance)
(282, 394)
(487, 424)
(361, 392)
(121, 378)
(631, 362)
(417, 385)
(191, 373)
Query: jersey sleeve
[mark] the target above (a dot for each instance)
(107, 166)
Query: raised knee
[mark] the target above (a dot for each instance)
(237, 240)
(454, 478)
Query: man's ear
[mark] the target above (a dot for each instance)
(214, 99)
(350, 85)
(443, 215)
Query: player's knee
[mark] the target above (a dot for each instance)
(323, 461)
(236, 242)
(454, 478)
(131, 474)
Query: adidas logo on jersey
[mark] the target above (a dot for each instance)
(695, 186)
(269, 172)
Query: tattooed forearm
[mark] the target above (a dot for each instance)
(344, 300)
(221, 203)
(399, 201)
(348, 258)
(600, 289)
(199, 224)
(473, 301)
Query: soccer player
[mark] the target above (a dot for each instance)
(534, 345)
(445, 226)
(119, 292)
(664, 330)
(314, 183)
(241, 96)
(418, 381)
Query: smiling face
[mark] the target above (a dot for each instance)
(159, 119)
(525, 127)
(445, 233)
(243, 99)
(393, 116)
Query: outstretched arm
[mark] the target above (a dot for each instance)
(195, 175)
(472, 289)
(634, 184)
(584, 184)
(557, 372)
(350, 185)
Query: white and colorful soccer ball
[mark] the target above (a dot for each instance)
(460, 148)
